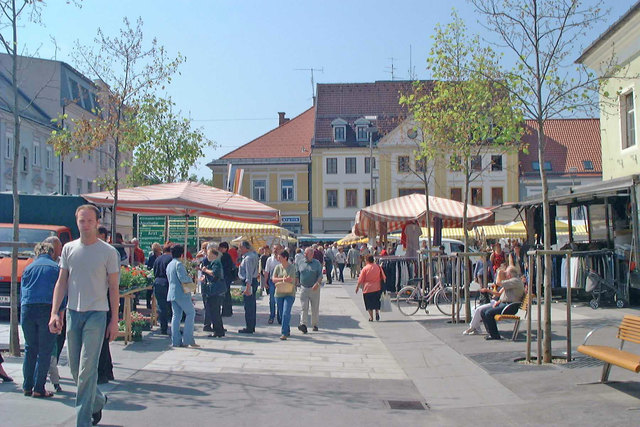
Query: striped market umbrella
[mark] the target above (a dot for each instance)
(392, 214)
(187, 198)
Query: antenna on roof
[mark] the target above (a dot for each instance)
(412, 69)
(391, 69)
(313, 85)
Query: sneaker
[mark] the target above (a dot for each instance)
(475, 332)
(468, 331)
(303, 328)
(95, 418)
(194, 345)
(283, 337)
(315, 329)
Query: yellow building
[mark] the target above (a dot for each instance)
(277, 169)
(620, 44)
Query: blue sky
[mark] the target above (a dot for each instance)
(242, 56)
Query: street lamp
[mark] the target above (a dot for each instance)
(372, 129)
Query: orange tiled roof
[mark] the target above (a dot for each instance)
(569, 142)
(291, 139)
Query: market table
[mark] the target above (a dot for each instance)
(128, 295)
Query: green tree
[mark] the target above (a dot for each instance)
(546, 83)
(170, 145)
(464, 114)
(14, 13)
(126, 72)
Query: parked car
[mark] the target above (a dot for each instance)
(29, 233)
(450, 246)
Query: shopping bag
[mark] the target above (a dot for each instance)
(385, 303)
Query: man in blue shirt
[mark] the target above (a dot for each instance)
(36, 296)
(248, 273)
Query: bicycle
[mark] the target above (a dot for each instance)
(411, 297)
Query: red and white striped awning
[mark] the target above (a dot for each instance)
(392, 214)
(187, 198)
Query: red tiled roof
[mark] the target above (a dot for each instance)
(351, 101)
(292, 139)
(568, 142)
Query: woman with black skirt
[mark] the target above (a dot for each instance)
(370, 280)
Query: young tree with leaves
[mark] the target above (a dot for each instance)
(169, 146)
(465, 114)
(543, 35)
(12, 13)
(127, 72)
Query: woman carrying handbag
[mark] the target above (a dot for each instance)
(370, 280)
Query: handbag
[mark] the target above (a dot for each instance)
(189, 287)
(286, 287)
(385, 303)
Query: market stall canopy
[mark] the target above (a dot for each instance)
(187, 198)
(211, 227)
(518, 227)
(352, 238)
(392, 214)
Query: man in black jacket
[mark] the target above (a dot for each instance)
(161, 287)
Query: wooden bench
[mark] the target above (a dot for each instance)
(629, 330)
(513, 308)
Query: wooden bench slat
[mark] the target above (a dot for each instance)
(620, 358)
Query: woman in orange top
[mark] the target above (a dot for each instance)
(370, 280)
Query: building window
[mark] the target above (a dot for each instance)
(628, 121)
(103, 158)
(86, 99)
(79, 185)
(421, 165)
(367, 160)
(259, 190)
(340, 133)
(89, 186)
(24, 160)
(403, 164)
(332, 165)
(361, 133)
(286, 189)
(8, 152)
(367, 197)
(75, 91)
(351, 198)
(536, 166)
(476, 196)
(407, 191)
(455, 193)
(36, 152)
(49, 160)
(66, 185)
(350, 165)
(496, 163)
(496, 196)
(476, 163)
(587, 165)
(332, 198)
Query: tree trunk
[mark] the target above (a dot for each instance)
(546, 344)
(465, 208)
(14, 337)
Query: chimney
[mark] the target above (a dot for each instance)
(282, 119)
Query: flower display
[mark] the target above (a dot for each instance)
(135, 277)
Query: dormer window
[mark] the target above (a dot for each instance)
(339, 130)
(362, 129)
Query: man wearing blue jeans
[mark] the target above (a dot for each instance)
(275, 306)
(89, 268)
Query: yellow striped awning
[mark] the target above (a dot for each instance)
(210, 227)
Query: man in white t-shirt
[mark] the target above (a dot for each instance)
(89, 268)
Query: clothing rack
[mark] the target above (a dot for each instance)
(398, 270)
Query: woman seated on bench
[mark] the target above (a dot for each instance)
(476, 319)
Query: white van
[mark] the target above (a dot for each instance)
(450, 246)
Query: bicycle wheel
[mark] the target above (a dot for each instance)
(443, 299)
(408, 300)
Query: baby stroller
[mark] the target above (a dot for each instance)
(601, 291)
